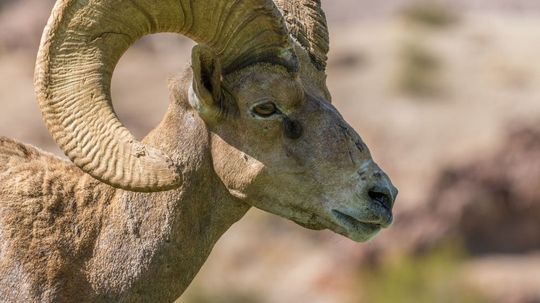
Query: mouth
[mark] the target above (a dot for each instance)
(358, 229)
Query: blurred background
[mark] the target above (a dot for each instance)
(447, 96)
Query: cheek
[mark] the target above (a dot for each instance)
(235, 168)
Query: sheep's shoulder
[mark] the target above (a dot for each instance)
(26, 171)
(49, 212)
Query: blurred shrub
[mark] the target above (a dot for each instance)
(4, 3)
(421, 68)
(419, 72)
(200, 296)
(431, 278)
(348, 60)
(431, 14)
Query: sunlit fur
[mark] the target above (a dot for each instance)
(65, 237)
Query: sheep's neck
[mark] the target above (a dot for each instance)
(152, 245)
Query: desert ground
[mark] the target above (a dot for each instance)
(429, 87)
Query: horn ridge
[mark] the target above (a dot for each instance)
(84, 40)
(307, 24)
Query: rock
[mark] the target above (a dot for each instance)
(493, 203)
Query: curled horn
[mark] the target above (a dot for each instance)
(306, 22)
(81, 45)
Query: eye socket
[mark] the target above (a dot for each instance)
(265, 110)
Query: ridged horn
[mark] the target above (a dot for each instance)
(81, 45)
(306, 21)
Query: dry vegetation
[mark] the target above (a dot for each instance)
(475, 70)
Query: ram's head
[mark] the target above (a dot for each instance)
(258, 82)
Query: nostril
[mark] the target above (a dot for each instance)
(377, 174)
(381, 196)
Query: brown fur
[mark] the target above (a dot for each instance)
(65, 237)
(49, 218)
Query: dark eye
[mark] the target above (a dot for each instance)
(265, 110)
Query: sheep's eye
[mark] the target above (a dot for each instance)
(265, 110)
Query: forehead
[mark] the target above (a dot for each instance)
(266, 81)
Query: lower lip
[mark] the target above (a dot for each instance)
(358, 226)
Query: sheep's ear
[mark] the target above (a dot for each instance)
(208, 95)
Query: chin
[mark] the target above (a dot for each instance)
(361, 232)
(362, 237)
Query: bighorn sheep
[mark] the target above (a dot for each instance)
(249, 124)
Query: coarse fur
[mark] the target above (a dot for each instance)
(66, 237)
(262, 135)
